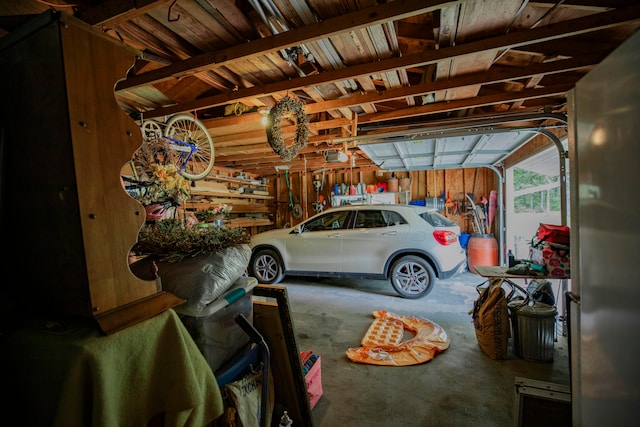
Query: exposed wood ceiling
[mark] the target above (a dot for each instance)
(362, 68)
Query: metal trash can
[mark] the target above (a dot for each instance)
(533, 330)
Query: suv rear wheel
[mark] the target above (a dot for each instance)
(412, 277)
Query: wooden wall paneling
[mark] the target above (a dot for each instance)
(434, 182)
(424, 184)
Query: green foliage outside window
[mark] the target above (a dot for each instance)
(547, 199)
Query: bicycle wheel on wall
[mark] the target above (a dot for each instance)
(185, 127)
(151, 130)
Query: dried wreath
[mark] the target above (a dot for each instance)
(287, 106)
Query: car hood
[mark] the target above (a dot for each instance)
(279, 233)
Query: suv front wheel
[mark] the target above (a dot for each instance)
(266, 267)
(412, 277)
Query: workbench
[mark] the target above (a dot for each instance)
(500, 271)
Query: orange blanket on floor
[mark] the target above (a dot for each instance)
(383, 345)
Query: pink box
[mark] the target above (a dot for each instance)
(313, 377)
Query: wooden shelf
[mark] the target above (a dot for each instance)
(235, 180)
(235, 207)
(248, 210)
(229, 194)
(247, 222)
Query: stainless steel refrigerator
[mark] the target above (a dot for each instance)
(604, 301)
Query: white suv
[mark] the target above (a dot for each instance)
(409, 245)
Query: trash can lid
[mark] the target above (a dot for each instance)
(537, 309)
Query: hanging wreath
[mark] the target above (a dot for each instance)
(287, 106)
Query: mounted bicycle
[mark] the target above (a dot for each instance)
(188, 144)
(170, 157)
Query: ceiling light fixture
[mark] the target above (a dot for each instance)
(265, 116)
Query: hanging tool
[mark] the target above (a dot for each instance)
(286, 177)
(318, 205)
(476, 217)
(493, 206)
(448, 204)
(462, 206)
(296, 209)
(485, 210)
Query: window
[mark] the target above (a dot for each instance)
(329, 221)
(393, 218)
(378, 218)
(436, 219)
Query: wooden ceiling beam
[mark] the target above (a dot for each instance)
(517, 39)
(241, 153)
(314, 143)
(115, 12)
(487, 77)
(348, 22)
(441, 107)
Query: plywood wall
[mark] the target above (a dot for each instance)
(424, 185)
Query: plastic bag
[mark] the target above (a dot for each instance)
(243, 401)
(541, 291)
(202, 279)
(199, 280)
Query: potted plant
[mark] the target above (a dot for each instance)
(195, 263)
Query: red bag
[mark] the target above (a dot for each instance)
(548, 233)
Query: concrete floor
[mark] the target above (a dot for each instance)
(459, 387)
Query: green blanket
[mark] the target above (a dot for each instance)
(69, 374)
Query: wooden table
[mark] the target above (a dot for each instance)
(499, 271)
